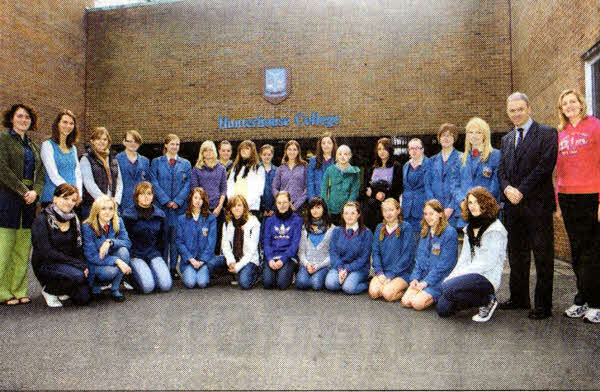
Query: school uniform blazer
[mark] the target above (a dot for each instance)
(443, 181)
(171, 183)
(478, 173)
(529, 169)
(92, 244)
(196, 239)
(251, 236)
(132, 175)
(414, 197)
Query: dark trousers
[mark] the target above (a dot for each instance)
(281, 278)
(62, 279)
(580, 214)
(463, 292)
(526, 232)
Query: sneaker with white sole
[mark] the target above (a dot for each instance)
(51, 299)
(592, 315)
(486, 312)
(576, 311)
(64, 297)
(127, 286)
(105, 287)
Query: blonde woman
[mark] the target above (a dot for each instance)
(479, 161)
(106, 247)
(100, 171)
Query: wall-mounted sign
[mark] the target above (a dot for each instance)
(277, 85)
(300, 120)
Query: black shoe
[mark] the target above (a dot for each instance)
(175, 275)
(540, 314)
(118, 297)
(510, 304)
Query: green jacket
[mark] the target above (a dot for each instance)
(11, 165)
(339, 187)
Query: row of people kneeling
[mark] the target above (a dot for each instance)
(74, 261)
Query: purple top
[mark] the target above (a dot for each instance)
(293, 181)
(214, 182)
(383, 173)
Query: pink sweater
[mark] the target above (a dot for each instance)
(578, 162)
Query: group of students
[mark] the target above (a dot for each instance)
(305, 222)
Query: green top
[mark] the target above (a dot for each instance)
(11, 164)
(339, 187)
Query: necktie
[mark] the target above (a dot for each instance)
(171, 161)
(475, 153)
(106, 229)
(519, 138)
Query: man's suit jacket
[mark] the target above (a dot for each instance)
(529, 169)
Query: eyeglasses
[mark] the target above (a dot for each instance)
(415, 148)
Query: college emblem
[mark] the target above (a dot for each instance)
(277, 85)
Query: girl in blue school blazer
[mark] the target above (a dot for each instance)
(196, 240)
(349, 251)
(135, 168)
(479, 161)
(324, 157)
(281, 238)
(106, 247)
(413, 179)
(171, 179)
(145, 225)
(436, 257)
(443, 177)
(392, 254)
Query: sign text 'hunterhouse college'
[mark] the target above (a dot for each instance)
(300, 120)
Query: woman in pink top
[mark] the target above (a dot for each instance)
(578, 190)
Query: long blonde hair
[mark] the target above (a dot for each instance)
(92, 220)
(562, 119)
(207, 145)
(481, 125)
(437, 207)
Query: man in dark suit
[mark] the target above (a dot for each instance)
(525, 176)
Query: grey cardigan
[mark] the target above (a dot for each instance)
(309, 254)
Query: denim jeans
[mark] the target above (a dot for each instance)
(463, 292)
(170, 253)
(281, 278)
(201, 277)
(305, 281)
(247, 276)
(151, 275)
(60, 279)
(355, 283)
(108, 273)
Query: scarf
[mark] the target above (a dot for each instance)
(477, 222)
(319, 229)
(56, 215)
(103, 156)
(238, 168)
(285, 215)
(238, 238)
(144, 213)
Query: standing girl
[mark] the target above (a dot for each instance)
(247, 176)
(350, 250)
(436, 256)
(392, 254)
(291, 175)
(267, 203)
(414, 195)
(326, 151)
(171, 182)
(135, 168)
(313, 251)
(340, 183)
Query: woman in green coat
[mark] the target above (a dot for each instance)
(340, 183)
(21, 182)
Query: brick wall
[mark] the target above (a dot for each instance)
(383, 67)
(548, 39)
(43, 57)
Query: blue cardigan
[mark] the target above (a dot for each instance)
(477, 173)
(314, 176)
(414, 196)
(196, 239)
(435, 260)
(132, 175)
(442, 182)
(171, 183)
(92, 244)
(394, 255)
(146, 235)
(282, 237)
(351, 254)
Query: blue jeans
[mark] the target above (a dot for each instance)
(281, 278)
(305, 281)
(60, 279)
(355, 283)
(462, 292)
(150, 275)
(170, 253)
(201, 277)
(108, 273)
(247, 276)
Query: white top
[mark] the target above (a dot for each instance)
(47, 155)
(251, 237)
(255, 182)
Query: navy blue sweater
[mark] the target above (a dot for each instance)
(351, 254)
(394, 255)
(146, 235)
(282, 237)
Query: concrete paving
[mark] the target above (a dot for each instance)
(224, 338)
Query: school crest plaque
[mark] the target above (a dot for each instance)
(277, 85)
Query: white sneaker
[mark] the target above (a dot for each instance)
(486, 312)
(576, 311)
(51, 299)
(63, 297)
(127, 286)
(592, 316)
(105, 287)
